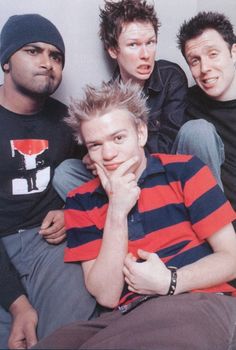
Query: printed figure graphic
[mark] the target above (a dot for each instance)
(33, 172)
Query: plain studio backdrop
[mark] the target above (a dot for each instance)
(78, 22)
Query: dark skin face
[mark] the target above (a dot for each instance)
(35, 70)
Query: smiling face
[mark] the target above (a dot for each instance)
(35, 69)
(113, 138)
(136, 51)
(212, 64)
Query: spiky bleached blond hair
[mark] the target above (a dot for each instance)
(101, 100)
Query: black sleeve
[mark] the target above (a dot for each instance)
(173, 113)
(10, 285)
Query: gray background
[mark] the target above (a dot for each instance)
(78, 20)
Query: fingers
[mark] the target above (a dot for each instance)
(56, 239)
(124, 167)
(53, 230)
(52, 222)
(143, 254)
(47, 221)
(103, 176)
(31, 338)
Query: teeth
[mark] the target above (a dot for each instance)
(209, 81)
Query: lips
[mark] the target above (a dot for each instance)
(47, 75)
(144, 69)
(111, 167)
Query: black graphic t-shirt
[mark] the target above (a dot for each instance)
(31, 147)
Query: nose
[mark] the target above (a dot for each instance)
(46, 60)
(144, 53)
(204, 65)
(108, 151)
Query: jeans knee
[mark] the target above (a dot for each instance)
(199, 128)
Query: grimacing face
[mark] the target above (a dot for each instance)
(113, 138)
(212, 64)
(35, 69)
(136, 51)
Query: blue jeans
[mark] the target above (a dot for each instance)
(55, 289)
(70, 174)
(199, 137)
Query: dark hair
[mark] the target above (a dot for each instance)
(202, 21)
(117, 13)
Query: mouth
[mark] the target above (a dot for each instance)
(47, 75)
(210, 82)
(111, 167)
(144, 69)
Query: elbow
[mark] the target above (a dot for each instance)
(104, 298)
(107, 301)
(103, 294)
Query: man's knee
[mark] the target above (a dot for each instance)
(199, 135)
(197, 128)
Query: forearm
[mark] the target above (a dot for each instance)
(207, 272)
(105, 279)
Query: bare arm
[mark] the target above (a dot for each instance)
(103, 276)
(152, 276)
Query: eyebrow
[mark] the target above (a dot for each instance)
(39, 47)
(137, 38)
(112, 135)
(206, 48)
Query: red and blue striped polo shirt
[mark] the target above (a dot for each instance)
(179, 207)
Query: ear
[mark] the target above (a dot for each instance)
(112, 52)
(6, 67)
(142, 133)
(233, 52)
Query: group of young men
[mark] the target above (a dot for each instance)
(150, 235)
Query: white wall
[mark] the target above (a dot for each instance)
(78, 21)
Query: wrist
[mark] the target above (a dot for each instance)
(20, 305)
(173, 280)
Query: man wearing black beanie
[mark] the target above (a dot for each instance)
(37, 289)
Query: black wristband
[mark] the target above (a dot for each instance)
(173, 280)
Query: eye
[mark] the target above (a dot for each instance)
(194, 62)
(213, 54)
(132, 45)
(93, 147)
(151, 43)
(56, 56)
(32, 51)
(119, 138)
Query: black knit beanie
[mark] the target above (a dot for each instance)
(20, 30)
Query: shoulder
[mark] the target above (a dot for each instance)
(198, 102)
(87, 188)
(169, 67)
(55, 107)
(180, 167)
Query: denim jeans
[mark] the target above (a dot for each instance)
(70, 174)
(199, 137)
(55, 289)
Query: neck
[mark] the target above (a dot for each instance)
(20, 103)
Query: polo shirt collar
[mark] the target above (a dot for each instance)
(153, 167)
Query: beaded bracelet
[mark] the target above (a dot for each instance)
(173, 280)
